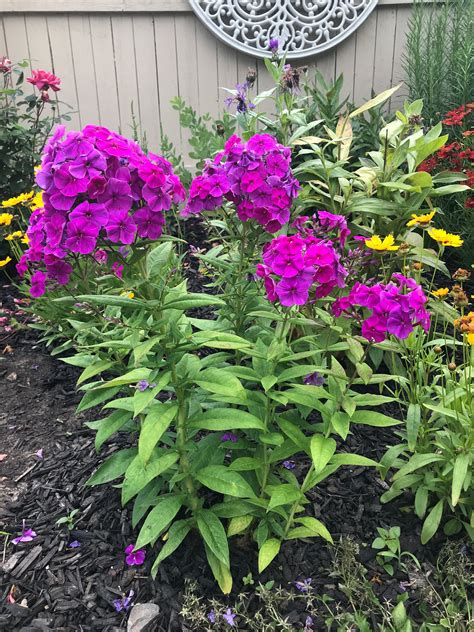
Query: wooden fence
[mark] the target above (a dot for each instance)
(110, 53)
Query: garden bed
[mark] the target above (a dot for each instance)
(52, 586)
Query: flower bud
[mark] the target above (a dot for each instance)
(5, 64)
(461, 275)
(45, 96)
(220, 129)
(251, 77)
(452, 366)
(437, 349)
(417, 266)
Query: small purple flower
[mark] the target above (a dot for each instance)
(143, 385)
(229, 617)
(289, 465)
(229, 436)
(75, 544)
(124, 603)
(212, 616)
(304, 585)
(39, 454)
(27, 535)
(134, 558)
(273, 45)
(314, 379)
(308, 624)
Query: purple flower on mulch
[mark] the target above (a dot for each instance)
(314, 379)
(143, 385)
(212, 616)
(27, 535)
(308, 624)
(304, 585)
(124, 603)
(289, 465)
(229, 617)
(134, 558)
(74, 544)
(39, 454)
(229, 436)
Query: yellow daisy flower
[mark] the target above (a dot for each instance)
(4, 262)
(14, 235)
(421, 220)
(470, 338)
(14, 201)
(25, 239)
(5, 219)
(37, 201)
(381, 245)
(441, 293)
(128, 294)
(444, 238)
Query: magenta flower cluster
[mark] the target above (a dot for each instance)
(395, 308)
(100, 190)
(293, 265)
(255, 175)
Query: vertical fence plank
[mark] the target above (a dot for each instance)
(58, 30)
(227, 72)
(84, 68)
(16, 37)
(38, 44)
(403, 15)
(326, 64)
(364, 59)
(165, 42)
(345, 58)
(148, 112)
(125, 70)
(386, 21)
(102, 49)
(187, 68)
(3, 39)
(207, 70)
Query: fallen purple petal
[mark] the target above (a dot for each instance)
(74, 544)
(229, 617)
(39, 454)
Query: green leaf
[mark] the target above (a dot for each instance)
(421, 501)
(221, 382)
(417, 461)
(310, 528)
(109, 426)
(157, 259)
(268, 381)
(141, 399)
(176, 534)
(364, 371)
(94, 369)
(295, 434)
(245, 464)
(220, 571)
(214, 536)
(131, 377)
(372, 418)
(413, 424)
(145, 347)
(340, 422)
(191, 301)
(158, 519)
(156, 423)
(219, 419)
(267, 553)
(237, 524)
(345, 458)
(95, 397)
(461, 465)
(219, 340)
(431, 524)
(138, 475)
(113, 467)
(221, 479)
(284, 494)
(145, 499)
(377, 100)
(322, 449)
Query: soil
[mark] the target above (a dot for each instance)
(47, 585)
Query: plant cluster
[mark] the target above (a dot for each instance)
(323, 309)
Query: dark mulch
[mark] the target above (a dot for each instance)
(58, 588)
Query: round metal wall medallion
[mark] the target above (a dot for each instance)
(303, 27)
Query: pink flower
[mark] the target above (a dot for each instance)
(5, 64)
(44, 80)
(27, 535)
(134, 558)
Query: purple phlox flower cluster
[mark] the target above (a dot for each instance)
(229, 436)
(255, 175)
(303, 585)
(27, 535)
(125, 603)
(289, 465)
(99, 189)
(395, 308)
(240, 98)
(293, 265)
(134, 558)
(321, 224)
(314, 379)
